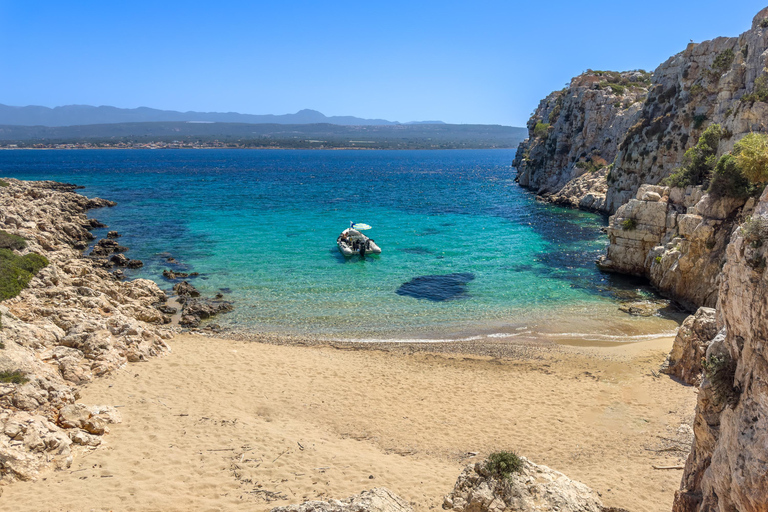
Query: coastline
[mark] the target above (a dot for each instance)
(218, 423)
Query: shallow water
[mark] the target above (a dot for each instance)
(261, 225)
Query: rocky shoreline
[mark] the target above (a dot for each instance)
(76, 321)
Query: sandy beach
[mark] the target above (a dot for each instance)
(235, 425)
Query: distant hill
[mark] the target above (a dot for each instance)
(72, 115)
(400, 136)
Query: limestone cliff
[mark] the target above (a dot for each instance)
(727, 469)
(574, 135)
(700, 248)
(716, 81)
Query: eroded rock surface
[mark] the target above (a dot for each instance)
(727, 469)
(534, 489)
(690, 346)
(73, 323)
(574, 136)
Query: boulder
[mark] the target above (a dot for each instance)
(690, 346)
(534, 488)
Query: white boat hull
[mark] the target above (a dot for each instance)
(352, 242)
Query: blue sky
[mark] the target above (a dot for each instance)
(481, 61)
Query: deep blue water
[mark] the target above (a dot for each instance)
(262, 225)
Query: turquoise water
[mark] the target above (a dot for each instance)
(261, 225)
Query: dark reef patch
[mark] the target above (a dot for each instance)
(438, 288)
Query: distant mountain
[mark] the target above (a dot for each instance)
(75, 115)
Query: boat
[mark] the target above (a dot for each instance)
(352, 241)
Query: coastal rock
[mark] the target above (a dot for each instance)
(73, 323)
(574, 136)
(535, 488)
(184, 289)
(113, 235)
(680, 253)
(727, 468)
(378, 499)
(690, 346)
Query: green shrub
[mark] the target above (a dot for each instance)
(721, 370)
(657, 259)
(16, 271)
(14, 377)
(541, 130)
(759, 93)
(696, 89)
(503, 464)
(752, 157)
(698, 120)
(723, 61)
(629, 224)
(555, 114)
(728, 180)
(699, 161)
(755, 230)
(764, 23)
(4, 184)
(9, 241)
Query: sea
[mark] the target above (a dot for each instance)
(466, 252)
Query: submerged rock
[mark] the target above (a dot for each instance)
(437, 288)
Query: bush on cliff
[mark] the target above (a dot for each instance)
(16, 271)
(752, 157)
(699, 161)
(728, 180)
(759, 93)
(4, 184)
(9, 241)
(541, 130)
(503, 464)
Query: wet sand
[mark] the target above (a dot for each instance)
(228, 424)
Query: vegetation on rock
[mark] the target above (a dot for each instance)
(503, 464)
(699, 161)
(16, 271)
(755, 230)
(9, 241)
(4, 184)
(12, 377)
(629, 224)
(752, 157)
(541, 130)
(720, 370)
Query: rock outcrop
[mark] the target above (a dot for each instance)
(690, 346)
(375, 500)
(574, 135)
(727, 469)
(690, 245)
(535, 488)
(74, 322)
(709, 82)
(676, 238)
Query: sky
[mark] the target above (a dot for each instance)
(480, 61)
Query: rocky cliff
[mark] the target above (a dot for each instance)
(727, 469)
(574, 135)
(74, 322)
(697, 243)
